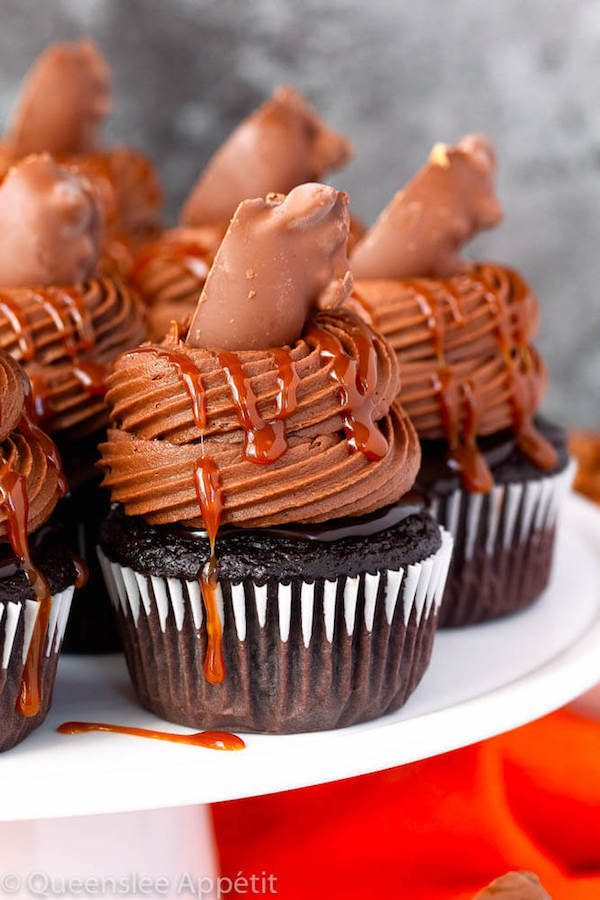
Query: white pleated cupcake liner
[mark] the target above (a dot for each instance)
(502, 545)
(17, 622)
(301, 655)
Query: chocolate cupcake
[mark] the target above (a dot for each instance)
(37, 571)
(65, 324)
(492, 473)
(282, 144)
(64, 101)
(266, 571)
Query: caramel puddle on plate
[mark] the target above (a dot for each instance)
(212, 740)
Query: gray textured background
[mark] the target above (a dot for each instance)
(396, 76)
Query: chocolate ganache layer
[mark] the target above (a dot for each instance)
(283, 553)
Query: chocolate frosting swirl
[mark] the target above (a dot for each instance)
(25, 450)
(173, 406)
(458, 320)
(170, 272)
(66, 337)
(463, 343)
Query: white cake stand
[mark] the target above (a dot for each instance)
(482, 681)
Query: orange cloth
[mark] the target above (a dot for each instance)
(439, 829)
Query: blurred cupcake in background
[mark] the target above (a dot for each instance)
(65, 323)
(585, 447)
(37, 571)
(64, 101)
(267, 571)
(279, 146)
(493, 472)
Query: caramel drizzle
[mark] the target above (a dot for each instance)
(265, 442)
(210, 500)
(457, 401)
(510, 337)
(212, 740)
(288, 382)
(355, 379)
(74, 326)
(188, 374)
(14, 501)
(460, 407)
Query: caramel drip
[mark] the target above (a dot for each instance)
(210, 498)
(189, 374)
(15, 503)
(458, 402)
(264, 441)
(212, 740)
(208, 491)
(40, 399)
(288, 381)
(14, 500)
(356, 379)
(30, 697)
(515, 352)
